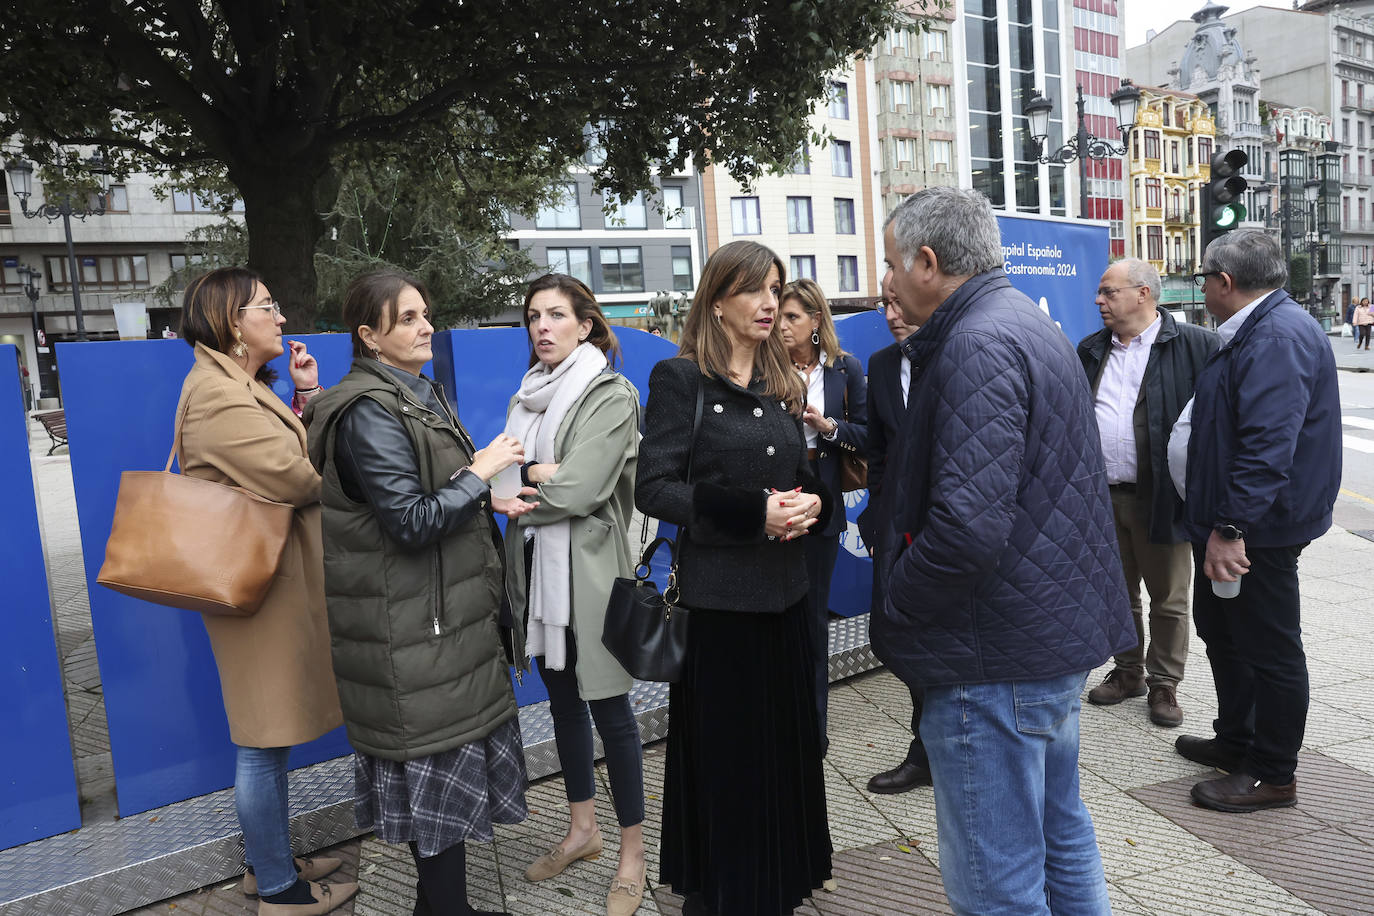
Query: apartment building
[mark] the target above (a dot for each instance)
(1170, 156)
(1098, 41)
(822, 217)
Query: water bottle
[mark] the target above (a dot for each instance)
(506, 483)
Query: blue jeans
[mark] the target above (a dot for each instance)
(260, 799)
(1015, 837)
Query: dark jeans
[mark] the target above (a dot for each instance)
(917, 752)
(821, 552)
(1254, 642)
(572, 734)
(1364, 335)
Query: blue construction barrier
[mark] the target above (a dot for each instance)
(38, 796)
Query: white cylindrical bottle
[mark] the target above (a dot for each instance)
(1226, 589)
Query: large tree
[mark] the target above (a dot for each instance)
(278, 97)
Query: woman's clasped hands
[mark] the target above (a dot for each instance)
(790, 513)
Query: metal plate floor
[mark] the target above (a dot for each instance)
(108, 868)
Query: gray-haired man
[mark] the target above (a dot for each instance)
(1003, 583)
(1142, 366)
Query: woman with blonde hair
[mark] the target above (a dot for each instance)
(744, 819)
(836, 425)
(274, 666)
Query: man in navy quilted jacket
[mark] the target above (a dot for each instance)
(1263, 467)
(1004, 585)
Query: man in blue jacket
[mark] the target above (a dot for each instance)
(1263, 469)
(1004, 585)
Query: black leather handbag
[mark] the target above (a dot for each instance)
(646, 631)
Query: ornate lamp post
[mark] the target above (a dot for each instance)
(21, 183)
(29, 277)
(1083, 146)
(1311, 190)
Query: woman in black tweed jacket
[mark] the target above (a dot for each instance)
(744, 820)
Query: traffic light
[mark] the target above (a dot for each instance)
(1220, 206)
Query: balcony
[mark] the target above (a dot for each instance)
(1355, 178)
(1179, 214)
(1174, 268)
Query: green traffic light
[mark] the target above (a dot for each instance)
(1228, 215)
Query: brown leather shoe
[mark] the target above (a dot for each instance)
(1164, 708)
(327, 897)
(311, 869)
(555, 860)
(1208, 752)
(1241, 793)
(1118, 685)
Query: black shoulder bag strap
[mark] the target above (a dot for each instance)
(670, 594)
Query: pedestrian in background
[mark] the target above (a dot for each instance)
(1142, 366)
(274, 666)
(1263, 467)
(889, 380)
(1362, 320)
(1004, 585)
(580, 419)
(835, 422)
(744, 821)
(413, 574)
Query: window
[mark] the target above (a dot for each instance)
(904, 152)
(844, 216)
(839, 101)
(849, 273)
(933, 43)
(675, 213)
(1151, 144)
(575, 262)
(937, 98)
(1154, 235)
(744, 216)
(630, 215)
(562, 212)
(104, 271)
(799, 215)
(200, 202)
(1153, 197)
(901, 94)
(4, 200)
(841, 161)
(117, 199)
(941, 154)
(621, 270)
(682, 268)
(182, 261)
(898, 40)
(595, 136)
(802, 265)
(1204, 150)
(801, 165)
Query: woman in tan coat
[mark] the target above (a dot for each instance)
(274, 667)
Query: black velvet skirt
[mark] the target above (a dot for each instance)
(744, 821)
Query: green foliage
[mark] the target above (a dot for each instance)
(1299, 275)
(280, 101)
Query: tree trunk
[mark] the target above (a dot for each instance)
(282, 208)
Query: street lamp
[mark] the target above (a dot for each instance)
(1311, 191)
(29, 277)
(1083, 146)
(21, 183)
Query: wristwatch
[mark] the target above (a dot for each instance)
(1229, 531)
(830, 436)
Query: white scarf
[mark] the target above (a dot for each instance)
(544, 399)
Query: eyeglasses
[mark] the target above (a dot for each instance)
(275, 308)
(1201, 278)
(880, 304)
(1107, 292)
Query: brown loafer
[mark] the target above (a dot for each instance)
(626, 896)
(1240, 793)
(555, 860)
(308, 869)
(1117, 686)
(1164, 708)
(327, 897)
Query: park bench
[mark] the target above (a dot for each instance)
(55, 425)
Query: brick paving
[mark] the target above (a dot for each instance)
(1162, 856)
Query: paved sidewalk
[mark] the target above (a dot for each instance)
(1163, 857)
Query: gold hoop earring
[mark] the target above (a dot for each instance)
(238, 350)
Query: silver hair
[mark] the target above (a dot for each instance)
(1142, 273)
(1251, 257)
(958, 225)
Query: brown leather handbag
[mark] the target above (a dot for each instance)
(195, 544)
(853, 466)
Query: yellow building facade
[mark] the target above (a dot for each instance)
(1169, 161)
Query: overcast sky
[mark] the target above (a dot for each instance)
(1143, 15)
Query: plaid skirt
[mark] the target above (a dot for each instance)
(446, 798)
